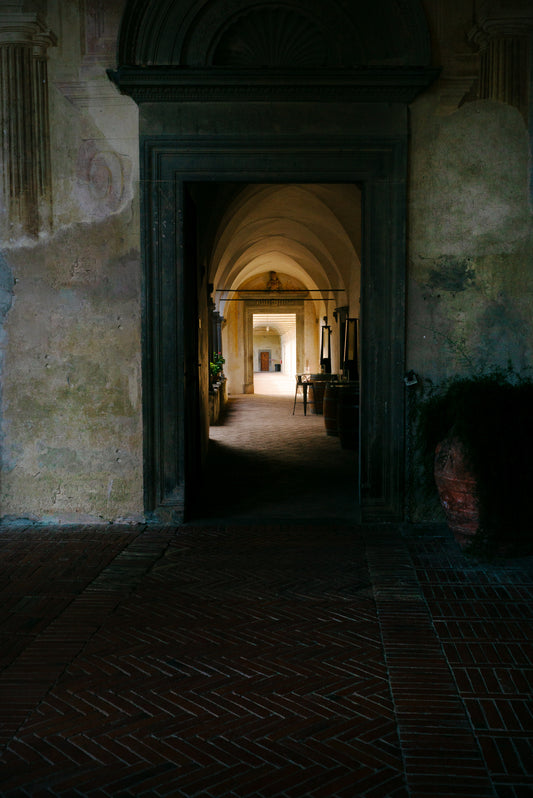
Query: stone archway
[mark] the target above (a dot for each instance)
(311, 235)
(213, 110)
(253, 307)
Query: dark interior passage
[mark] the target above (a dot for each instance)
(266, 464)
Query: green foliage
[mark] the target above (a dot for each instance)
(492, 415)
(216, 364)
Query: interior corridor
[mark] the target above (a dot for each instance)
(267, 464)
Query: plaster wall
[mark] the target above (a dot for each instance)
(70, 299)
(72, 435)
(71, 371)
(232, 338)
(470, 241)
(288, 353)
(311, 360)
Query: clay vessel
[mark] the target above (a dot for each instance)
(457, 487)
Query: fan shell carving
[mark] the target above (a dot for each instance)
(271, 37)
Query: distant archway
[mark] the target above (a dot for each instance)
(311, 235)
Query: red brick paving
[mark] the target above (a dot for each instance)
(236, 660)
(483, 616)
(267, 661)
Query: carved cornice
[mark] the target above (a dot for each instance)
(86, 94)
(167, 84)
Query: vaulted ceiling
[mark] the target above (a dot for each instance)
(310, 232)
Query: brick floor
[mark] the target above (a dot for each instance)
(482, 614)
(292, 656)
(267, 464)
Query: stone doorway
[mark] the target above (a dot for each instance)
(214, 111)
(176, 262)
(273, 291)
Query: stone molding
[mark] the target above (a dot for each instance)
(377, 160)
(266, 50)
(174, 84)
(85, 94)
(25, 186)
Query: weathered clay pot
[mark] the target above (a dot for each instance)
(457, 487)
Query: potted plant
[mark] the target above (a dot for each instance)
(477, 437)
(216, 366)
(217, 388)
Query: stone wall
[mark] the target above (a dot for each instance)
(470, 266)
(70, 302)
(71, 368)
(72, 435)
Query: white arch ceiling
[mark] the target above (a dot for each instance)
(307, 231)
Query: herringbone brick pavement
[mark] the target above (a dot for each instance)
(483, 615)
(286, 657)
(242, 662)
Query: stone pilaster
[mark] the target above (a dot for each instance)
(25, 193)
(503, 32)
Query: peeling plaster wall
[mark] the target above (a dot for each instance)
(71, 392)
(71, 342)
(470, 242)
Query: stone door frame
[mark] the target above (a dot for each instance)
(378, 164)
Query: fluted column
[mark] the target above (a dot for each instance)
(503, 33)
(24, 125)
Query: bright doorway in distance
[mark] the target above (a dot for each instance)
(274, 333)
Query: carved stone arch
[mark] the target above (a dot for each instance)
(192, 32)
(273, 35)
(289, 34)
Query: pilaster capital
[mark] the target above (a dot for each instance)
(501, 18)
(24, 28)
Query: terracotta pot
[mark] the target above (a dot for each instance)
(457, 487)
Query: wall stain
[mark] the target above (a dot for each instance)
(7, 286)
(452, 275)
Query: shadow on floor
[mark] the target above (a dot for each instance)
(265, 464)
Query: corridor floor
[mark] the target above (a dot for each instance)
(268, 464)
(294, 657)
